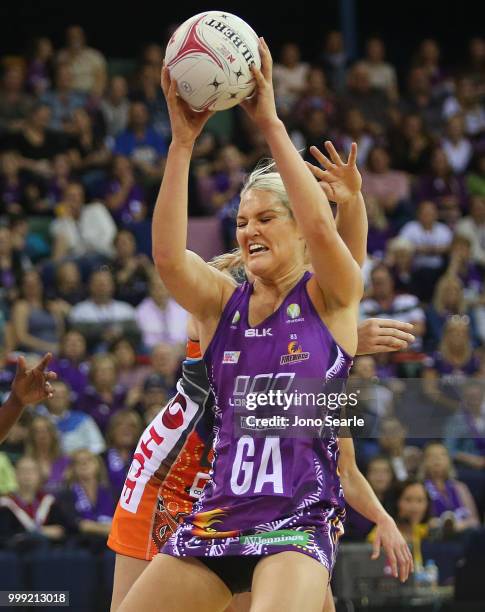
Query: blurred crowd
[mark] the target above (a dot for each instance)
(83, 140)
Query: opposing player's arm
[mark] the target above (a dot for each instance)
(336, 271)
(341, 183)
(197, 287)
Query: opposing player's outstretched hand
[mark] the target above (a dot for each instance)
(32, 386)
(397, 551)
(261, 106)
(186, 123)
(383, 336)
(340, 181)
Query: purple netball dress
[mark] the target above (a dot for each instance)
(274, 493)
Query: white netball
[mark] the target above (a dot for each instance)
(210, 55)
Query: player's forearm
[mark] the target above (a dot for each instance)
(310, 207)
(359, 494)
(169, 223)
(352, 226)
(10, 412)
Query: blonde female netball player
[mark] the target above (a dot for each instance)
(270, 516)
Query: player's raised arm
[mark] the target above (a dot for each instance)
(337, 273)
(196, 286)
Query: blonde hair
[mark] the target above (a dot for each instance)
(441, 292)
(70, 473)
(30, 444)
(126, 414)
(265, 178)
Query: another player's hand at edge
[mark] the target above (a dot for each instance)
(34, 385)
(383, 336)
(340, 181)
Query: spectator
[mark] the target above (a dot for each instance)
(450, 499)
(380, 476)
(104, 396)
(473, 227)
(68, 284)
(448, 300)
(382, 75)
(88, 66)
(124, 429)
(222, 187)
(389, 187)
(375, 399)
(29, 514)
(356, 130)
(466, 102)
(84, 230)
(334, 60)
(440, 185)
(141, 143)
(154, 392)
(37, 323)
(115, 106)
(411, 145)
(132, 271)
(447, 369)
(316, 95)
(77, 429)
(475, 179)
(87, 499)
(13, 264)
(15, 104)
(8, 482)
(379, 230)
(475, 68)
(62, 175)
(372, 103)
(88, 152)
(289, 75)
(384, 303)
(312, 131)
(124, 197)
(71, 366)
(392, 444)
(420, 100)
(43, 445)
(63, 100)
(456, 146)
(100, 318)
(40, 69)
(36, 143)
(465, 430)
(461, 265)
(150, 93)
(400, 260)
(13, 184)
(131, 374)
(160, 318)
(412, 516)
(428, 59)
(431, 240)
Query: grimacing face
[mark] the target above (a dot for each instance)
(266, 234)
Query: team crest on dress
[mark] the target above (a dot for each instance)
(293, 311)
(295, 353)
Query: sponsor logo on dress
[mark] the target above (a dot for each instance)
(295, 353)
(231, 356)
(258, 333)
(236, 317)
(293, 311)
(282, 537)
